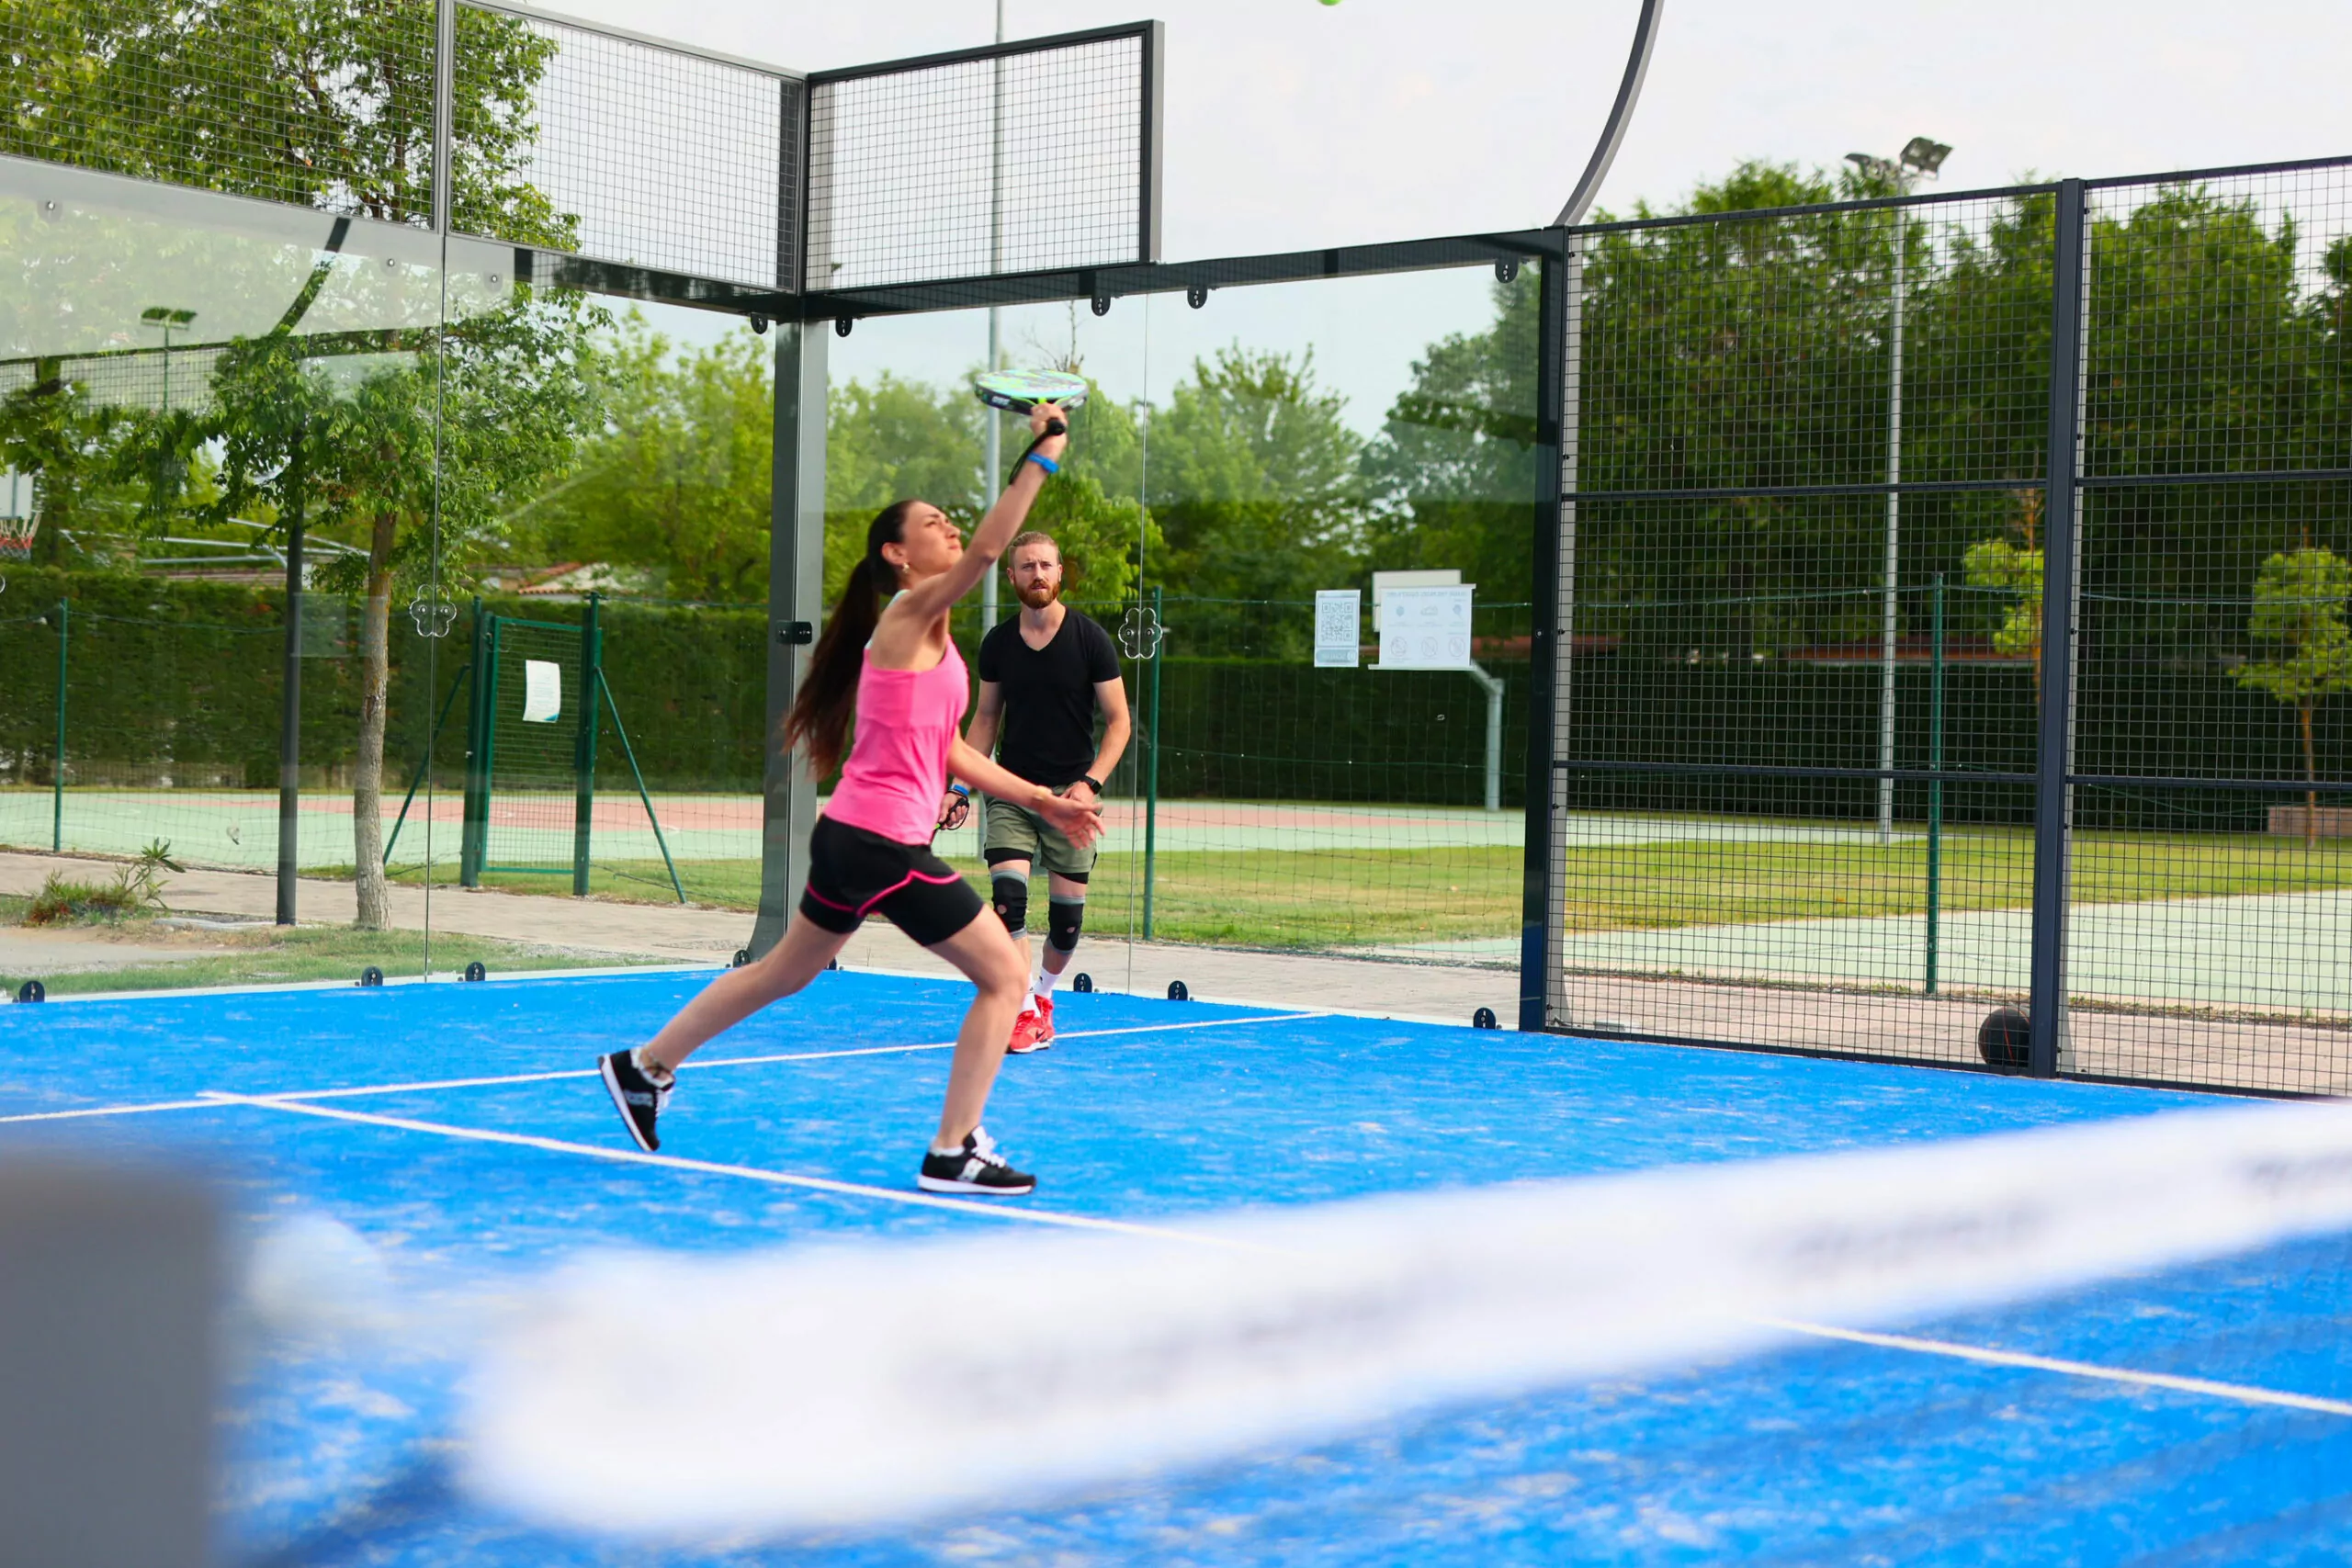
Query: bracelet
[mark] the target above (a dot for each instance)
(961, 789)
(1045, 462)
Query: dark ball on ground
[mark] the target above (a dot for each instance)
(2001, 1038)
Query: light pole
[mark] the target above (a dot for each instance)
(1920, 158)
(995, 440)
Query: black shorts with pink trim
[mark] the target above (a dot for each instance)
(854, 873)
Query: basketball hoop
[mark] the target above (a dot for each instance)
(19, 520)
(15, 543)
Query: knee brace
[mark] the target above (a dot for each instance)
(1062, 919)
(1011, 896)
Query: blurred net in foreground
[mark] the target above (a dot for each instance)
(791, 1391)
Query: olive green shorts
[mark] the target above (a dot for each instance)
(1018, 833)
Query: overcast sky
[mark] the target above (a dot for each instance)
(1296, 124)
(1292, 124)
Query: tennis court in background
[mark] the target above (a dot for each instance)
(398, 1113)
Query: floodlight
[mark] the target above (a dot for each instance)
(1925, 154)
(1873, 167)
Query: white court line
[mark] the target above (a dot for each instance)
(423, 1087)
(110, 1110)
(2245, 1394)
(708, 1167)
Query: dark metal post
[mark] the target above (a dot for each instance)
(1559, 336)
(475, 842)
(1147, 181)
(1936, 782)
(289, 732)
(2054, 799)
(57, 775)
(1151, 765)
(584, 746)
(796, 592)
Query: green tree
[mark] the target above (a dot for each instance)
(2299, 605)
(321, 103)
(678, 475)
(2014, 567)
(352, 441)
(1253, 481)
(1741, 354)
(1453, 472)
(894, 441)
(411, 436)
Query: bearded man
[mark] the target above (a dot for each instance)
(1045, 676)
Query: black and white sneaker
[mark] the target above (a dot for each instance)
(978, 1168)
(634, 1095)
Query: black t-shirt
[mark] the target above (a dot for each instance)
(1048, 731)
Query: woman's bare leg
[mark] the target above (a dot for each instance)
(986, 954)
(735, 996)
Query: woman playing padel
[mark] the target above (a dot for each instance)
(870, 852)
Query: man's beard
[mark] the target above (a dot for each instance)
(1039, 597)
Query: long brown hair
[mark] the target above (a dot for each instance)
(819, 721)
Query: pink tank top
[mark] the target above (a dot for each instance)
(907, 721)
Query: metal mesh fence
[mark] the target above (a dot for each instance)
(1790, 695)
(1801, 804)
(1009, 160)
(136, 717)
(253, 101)
(633, 152)
(2210, 886)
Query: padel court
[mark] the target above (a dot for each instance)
(439, 1141)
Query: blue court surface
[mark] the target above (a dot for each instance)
(401, 1115)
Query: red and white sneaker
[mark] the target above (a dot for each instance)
(1033, 1029)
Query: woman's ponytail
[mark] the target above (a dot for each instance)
(819, 721)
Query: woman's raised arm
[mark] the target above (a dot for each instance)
(987, 542)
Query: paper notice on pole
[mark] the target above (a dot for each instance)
(1338, 620)
(1425, 629)
(542, 691)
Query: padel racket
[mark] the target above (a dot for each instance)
(1018, 392)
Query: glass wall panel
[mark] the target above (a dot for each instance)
(603, 545)
(1321, 776)
(904, 421)
(208, 404)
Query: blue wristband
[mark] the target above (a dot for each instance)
(1045, 462)
(961, 790)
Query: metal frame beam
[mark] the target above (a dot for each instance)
(1551, 620)
(2053, 793)
(796, 593)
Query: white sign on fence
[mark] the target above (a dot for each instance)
(542, 691)
(1425, 629)
(1339, 622)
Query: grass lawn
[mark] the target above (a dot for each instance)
(265, 956)
(1358, 898)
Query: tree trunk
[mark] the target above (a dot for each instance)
(368, 776)
(2311, 776)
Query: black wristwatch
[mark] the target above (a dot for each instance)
(1091, 781)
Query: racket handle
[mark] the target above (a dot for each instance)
(1056, 427)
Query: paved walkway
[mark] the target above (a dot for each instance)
(2176, 1045)
(699, 935)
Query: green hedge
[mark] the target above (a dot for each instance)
(179, 682)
